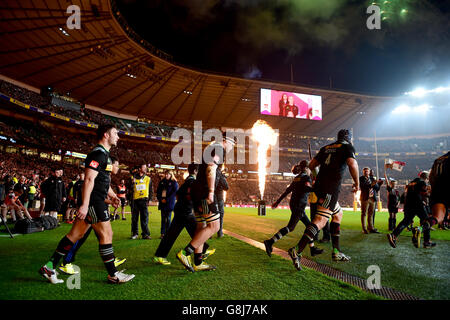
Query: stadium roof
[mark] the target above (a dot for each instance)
(105, 64)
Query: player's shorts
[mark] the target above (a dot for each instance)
(327, 201)
(205, 212)
(122, 202)
(440, 195)
(97, 212)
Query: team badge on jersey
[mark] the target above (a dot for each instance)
(93, 164)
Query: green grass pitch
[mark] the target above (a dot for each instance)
(244, 272)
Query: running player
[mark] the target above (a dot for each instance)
(205, 205)
(93, 210)
(332, 159)
(414, 206)
(439, 199)
(300, 188)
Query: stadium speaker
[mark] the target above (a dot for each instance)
(261, 208)
(46, 91)
(95, 11)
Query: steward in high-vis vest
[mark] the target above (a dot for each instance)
(142, 192)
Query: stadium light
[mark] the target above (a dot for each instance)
(422, 108)
(401, 109)
(420, 92)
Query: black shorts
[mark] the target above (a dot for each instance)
(205, 212)
(97, 212)
(440, 195)
(122, 202)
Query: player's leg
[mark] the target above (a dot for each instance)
(335, 230)
(79, 228)
(407, 219)
(204, 214)
(293, 221)
(439, 210)
(190, 223)
(167, 242)
(313, 249)
(105, 234)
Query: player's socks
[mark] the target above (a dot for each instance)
(107, 254)
(335, 230)
(308, 236)
(62, 249)
(205, 247)
(188, 250)
(280, 234)
(198, 258)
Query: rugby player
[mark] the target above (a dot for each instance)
(205, 205)
(183, 218)
(300, 187)
(93, 210)
(332, 159)
(414, 206)
(67, 265)
(439, 198)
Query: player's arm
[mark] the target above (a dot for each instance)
(313, 164)
(88, 186)
(211, 179)
(283, 195)
(354, 171)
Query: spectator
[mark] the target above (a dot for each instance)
(368, 200)
(54, 193)
(166, 194)
(13, 203)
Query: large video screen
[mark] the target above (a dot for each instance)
(291, 104)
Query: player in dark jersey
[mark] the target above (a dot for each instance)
(439, 198)
(67, 265)
(183, 218)
(332, 159)
(93, 211)
(300, 187)
(205, 204)
(414, 206)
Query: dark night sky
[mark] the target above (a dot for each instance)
(320, 38)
